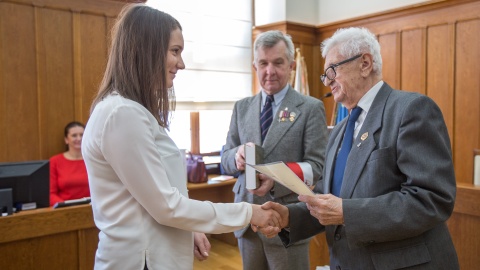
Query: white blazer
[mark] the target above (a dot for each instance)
(138, 186)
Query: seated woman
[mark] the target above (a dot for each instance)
(68, 174)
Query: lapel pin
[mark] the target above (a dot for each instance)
(364, 136)
(358, 145)
(292, 116)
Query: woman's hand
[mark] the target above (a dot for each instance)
(201, 246)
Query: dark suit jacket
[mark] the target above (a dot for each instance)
(301, 140)
(398, 190)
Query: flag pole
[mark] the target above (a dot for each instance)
(298, 72)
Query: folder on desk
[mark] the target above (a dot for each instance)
(72, 202)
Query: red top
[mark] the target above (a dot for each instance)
(68, 179)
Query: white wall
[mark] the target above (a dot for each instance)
(319, 12)
(303, 11)
(269, 11)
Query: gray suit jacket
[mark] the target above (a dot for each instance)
(301, 140)
(398, 190)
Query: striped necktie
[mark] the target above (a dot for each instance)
(266, 116)
(342, 155)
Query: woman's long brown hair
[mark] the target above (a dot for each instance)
(137, 59)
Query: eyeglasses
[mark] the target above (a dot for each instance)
(330, 71)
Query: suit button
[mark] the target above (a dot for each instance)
(337, 236)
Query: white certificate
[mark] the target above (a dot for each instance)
(280, 172)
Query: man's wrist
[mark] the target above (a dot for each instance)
(272, 190)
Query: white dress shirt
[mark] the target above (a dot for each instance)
(138, 186)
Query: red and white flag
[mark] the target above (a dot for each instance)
(301, 75)
(303, 170)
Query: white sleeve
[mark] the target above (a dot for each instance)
(129, 146)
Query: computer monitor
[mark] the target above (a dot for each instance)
(29, 182)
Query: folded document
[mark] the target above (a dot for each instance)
(280, 172)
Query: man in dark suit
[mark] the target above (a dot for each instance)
(297, 134)
(396, 187)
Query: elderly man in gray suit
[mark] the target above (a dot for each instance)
(297, 134)
(394, 187)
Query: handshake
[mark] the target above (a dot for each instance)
(271, 217)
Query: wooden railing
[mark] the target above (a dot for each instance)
(47, 238)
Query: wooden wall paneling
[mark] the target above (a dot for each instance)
(467, 97)
(77, 64)
(55, 87)
(3, 93)
(20, 84)
(425, 15)
(439, 76)
(52, 61)
(97, 7)
(319, 69)
(317, 84)
(93, 51)
(413, 57)
(390, 50)
(41, 75)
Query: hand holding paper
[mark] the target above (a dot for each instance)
(327, 208)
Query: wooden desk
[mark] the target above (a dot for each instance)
(66, 238)
(464, 225)
(215, 192)
(47, 238)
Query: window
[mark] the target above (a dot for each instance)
(211, 133)
(218, 60)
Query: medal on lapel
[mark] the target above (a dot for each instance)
(285, 115)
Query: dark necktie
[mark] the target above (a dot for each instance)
(266, 116)
(342, 156)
